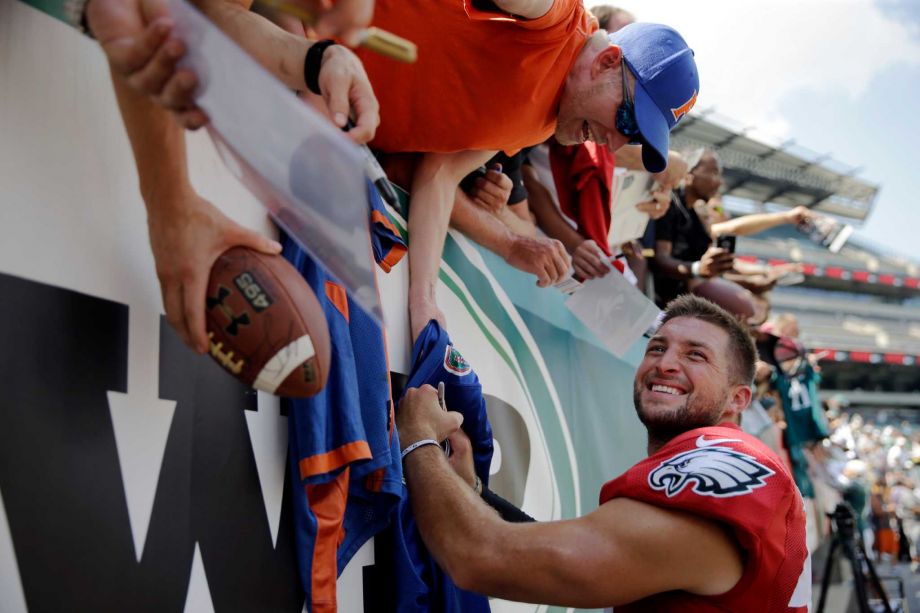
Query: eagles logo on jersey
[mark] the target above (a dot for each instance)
(716, 471)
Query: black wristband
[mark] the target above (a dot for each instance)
(313, 63)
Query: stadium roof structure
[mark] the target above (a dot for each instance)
(784, 173)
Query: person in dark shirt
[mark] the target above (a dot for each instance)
(683, 246)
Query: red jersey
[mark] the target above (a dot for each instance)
(730, 477)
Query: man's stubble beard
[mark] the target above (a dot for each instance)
(662, 426)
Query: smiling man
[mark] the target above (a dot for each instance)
(710, 521)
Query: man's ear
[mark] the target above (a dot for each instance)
(739, 400)
(608, 59)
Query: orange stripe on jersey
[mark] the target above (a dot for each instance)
(392, 258)
(338, 297)
(331, 460)
(391, 425)
(379, 217)
(327, 501)
(374, 481)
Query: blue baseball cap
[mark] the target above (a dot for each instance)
(667, 84)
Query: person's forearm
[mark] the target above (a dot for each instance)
(547, 213)
(749, 224)
(158, 144)
(480, 225)
(278, 51)
(463, 544)
(669, 266)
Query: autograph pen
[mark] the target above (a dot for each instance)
(376, 174)
(446, 444)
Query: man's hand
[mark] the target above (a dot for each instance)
(138, 41)
(420, 417)
(346, 89)
(716, 261)
(673, 174)
(187, 236)
(798, 215)
(657, 206)
(588, 260)
(544, 257)
(492, 190)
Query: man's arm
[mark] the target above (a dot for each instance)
(543, 257)
(342, 78)
(434, 187)
(187, 233)
(713, 263)
(758, 222)
(623, 551)
(587, 257)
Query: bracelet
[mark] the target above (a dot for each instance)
(417, 444)
(313, 63)
(477, 487)
(695, 269)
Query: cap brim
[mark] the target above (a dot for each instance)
(654, 129)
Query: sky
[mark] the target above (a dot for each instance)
(838, 76)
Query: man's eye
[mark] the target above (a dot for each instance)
(655, 349)
(697, 355)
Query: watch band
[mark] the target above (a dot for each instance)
(313, 63)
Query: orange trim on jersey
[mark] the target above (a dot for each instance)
(379, 217)
(395, 254)
(392, 258)
(327, 502)
(391, 425)
(374, 481)
(331, 460)
(338, 297)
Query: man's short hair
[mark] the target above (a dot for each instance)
(743, 353)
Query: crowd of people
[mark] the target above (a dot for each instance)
(874, 468)
(512, 128)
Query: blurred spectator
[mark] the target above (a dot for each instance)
(683, 246)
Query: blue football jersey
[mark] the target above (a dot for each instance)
(343, 449)
(419, 583)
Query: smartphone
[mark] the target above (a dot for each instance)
(727, 242)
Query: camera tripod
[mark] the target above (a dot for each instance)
(844, 536)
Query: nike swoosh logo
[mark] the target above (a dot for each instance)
(702, 442)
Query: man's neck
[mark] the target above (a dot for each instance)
(655, 443)
(690, 196)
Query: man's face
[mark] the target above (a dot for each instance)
(684, 380)
(592, 94)
(706, 177)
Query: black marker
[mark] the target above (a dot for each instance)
(373, 170)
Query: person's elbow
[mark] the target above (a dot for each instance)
(473, 569)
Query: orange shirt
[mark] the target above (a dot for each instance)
(483, 80)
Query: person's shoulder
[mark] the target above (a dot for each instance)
(723, 443)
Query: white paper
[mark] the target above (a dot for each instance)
(629, 188)
(307, 174)
(616, 312)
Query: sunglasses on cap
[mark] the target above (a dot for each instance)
(626, 123)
